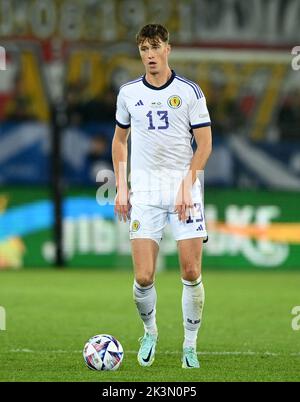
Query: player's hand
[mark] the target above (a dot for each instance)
(184, 205)
(122, 204)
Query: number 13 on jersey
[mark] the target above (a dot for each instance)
(162, 115)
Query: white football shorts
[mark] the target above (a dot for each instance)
(152, 211)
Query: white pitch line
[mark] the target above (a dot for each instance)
(167, 352)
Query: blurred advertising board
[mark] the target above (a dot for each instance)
(247, 229)
(255, 21)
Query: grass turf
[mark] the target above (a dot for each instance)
(246, 333)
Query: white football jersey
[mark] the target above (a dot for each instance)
(161, 121)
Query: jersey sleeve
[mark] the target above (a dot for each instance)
(122, 114)
(198, 112)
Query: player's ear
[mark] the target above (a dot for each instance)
(168, 48)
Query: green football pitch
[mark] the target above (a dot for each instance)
(246, 333)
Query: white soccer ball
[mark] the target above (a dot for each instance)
(103, 352)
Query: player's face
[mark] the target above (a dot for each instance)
(154, 55)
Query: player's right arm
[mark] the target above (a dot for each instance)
(119, 157)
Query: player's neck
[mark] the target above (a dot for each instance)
(160, 78)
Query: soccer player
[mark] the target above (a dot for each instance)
(164, 112)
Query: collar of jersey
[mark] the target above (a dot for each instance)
(170, 80)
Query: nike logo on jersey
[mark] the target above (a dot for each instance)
(140, 103)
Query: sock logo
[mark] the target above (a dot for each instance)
(146, 314)
(193, 321)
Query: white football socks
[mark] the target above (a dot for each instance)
(145, 300)
(192, 307)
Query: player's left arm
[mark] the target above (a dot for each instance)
(203, 140)
(184, 201)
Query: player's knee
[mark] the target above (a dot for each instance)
(190, 271)
(145, 279)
